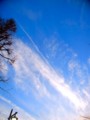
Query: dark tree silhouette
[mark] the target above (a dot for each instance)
(7, 29)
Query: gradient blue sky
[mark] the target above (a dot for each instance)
(50, 79)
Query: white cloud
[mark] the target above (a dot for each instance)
(51, 45)
(32, 15)
(27, 76)
(78, 71)
(89, 61)
(29, 63)
(32, 71)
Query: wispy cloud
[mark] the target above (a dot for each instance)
(51, 45)
(32, 63)
(88, 61)
(33, 15)
(34, 74)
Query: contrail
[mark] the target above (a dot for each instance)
(22, 28)
(29, 37)
(61, 88)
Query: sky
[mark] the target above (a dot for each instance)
(50, 79)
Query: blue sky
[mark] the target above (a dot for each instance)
(51, 76)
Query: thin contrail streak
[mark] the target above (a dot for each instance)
(29, 37)
(56, 84)
(33, 43)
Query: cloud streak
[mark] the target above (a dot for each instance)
(33, 72)
(33, 62)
